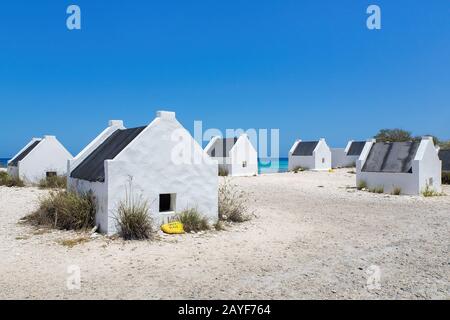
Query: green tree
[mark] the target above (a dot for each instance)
(393, 135)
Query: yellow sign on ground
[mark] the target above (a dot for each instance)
(175, 227)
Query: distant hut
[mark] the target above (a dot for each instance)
(39, 159)
(236, 156)
(347, 157)
(311, 155)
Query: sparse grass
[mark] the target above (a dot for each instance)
(379, 189)
(298, 169)
(8, 181)
(361, 185)
(223, 172)
(65, 210)
(232, 203)
(53, 182)
(73, 242)
(446, 177)
(397, 191)
(192, 220)
(429, 192)
(219, 225)
(133, 218)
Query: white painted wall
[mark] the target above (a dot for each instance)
(426, 168)
(338, 157)
(49, 155)
(243, 151)
(320, 160)
(163, 158)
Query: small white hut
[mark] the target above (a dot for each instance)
(410, 167)
(236, 156)
(161, 163)
(346, 157)
(39, 159)
(311, 155)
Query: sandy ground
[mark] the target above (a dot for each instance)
(313, 237)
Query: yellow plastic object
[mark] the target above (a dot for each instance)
(175, 227)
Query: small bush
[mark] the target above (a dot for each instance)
(8, 181)
(397, 191)
(192, 220)
(53, 182)
(65, 210)
(232, 203)
(298, 169)
(223, 172)
(361, 185)
(219, 226)
(446, 177)
(133, 219)
(377, 189)
(429, 192)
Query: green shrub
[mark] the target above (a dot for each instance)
(429, 192)
(298, 169)
(232, 203)
(192, 220)
(8, 181)
(397, 191)
(65, 210)
(223, 172)
(133, 219)
(361, 185)
(53, 182)
(446, 177)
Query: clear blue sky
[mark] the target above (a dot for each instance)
(310, 68)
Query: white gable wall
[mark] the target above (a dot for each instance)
(151, 162)
(243, 151)
(49, 155)
(322, 156)
(429, 166)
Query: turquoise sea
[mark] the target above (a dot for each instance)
(264, 165)
(272, 165)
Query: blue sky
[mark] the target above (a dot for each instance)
(310, 68)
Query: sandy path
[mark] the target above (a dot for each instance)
(312, 238)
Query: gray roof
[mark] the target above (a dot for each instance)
(395, 157)
(92, 168)
(222, 147)
(305, 148)
(444, 155)
(356, 148)
(23, 154)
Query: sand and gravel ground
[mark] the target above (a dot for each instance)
(314, 237)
